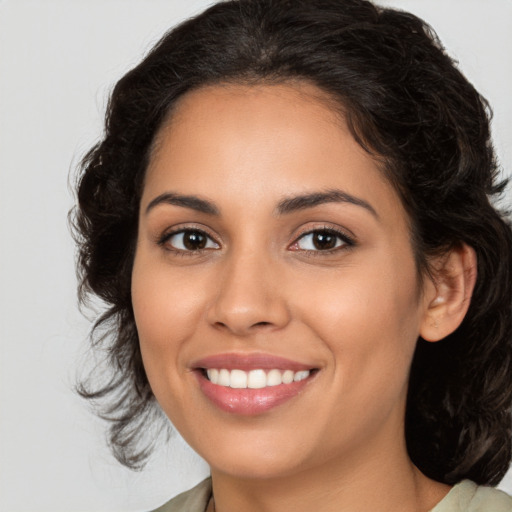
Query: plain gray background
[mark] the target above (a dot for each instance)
(58, 60)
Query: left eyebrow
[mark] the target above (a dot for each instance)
(191, 202)
(302, 202)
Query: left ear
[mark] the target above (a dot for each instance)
(449, 295)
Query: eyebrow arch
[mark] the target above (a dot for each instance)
(293, 204)
(192, 202)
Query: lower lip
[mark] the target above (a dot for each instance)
(250, 402)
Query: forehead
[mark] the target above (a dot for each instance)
(286, 93)
(249, 107)
(261, 141)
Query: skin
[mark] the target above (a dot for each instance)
(354, 313)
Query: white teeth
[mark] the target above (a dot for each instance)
(287, 377)
(255, 379)
(238, 379)
(213, 375)
(224, 378)
(301, 375)
(274, 378)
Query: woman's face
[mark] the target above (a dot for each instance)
(273, 254)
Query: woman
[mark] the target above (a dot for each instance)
(289, 220)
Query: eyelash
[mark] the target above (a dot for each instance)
(347, 241)
(164, 239)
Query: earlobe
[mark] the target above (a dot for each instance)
(454, 277)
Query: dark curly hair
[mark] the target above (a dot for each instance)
(404, 101)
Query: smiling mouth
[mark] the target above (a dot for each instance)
(254, 391)
(251, 384)
(253, 379)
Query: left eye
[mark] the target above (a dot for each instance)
(190, 240)
(320, 240)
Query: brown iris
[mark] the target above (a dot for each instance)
(194, 240)
(323, 240)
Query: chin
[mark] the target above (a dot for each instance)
(251, 469)
(256, 456)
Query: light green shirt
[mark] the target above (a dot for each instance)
(466, 496)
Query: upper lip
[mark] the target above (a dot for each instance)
(247, 362)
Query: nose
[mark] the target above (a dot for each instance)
(250, 297)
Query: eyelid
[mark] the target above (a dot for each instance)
(348, 240)
(164, 237)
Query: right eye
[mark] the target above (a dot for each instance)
(188, 240)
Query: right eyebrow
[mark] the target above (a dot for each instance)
(295, 203)
(192, 202)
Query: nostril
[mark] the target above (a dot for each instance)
(249, 328)
(241, 316)
(257, 324)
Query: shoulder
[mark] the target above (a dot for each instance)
(193, 500)
(466, 496)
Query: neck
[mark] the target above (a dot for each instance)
(377, 482)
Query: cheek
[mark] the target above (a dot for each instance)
(165, 303)
(368, 317)
(369, 325)
(167, 309)
(362, 297)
